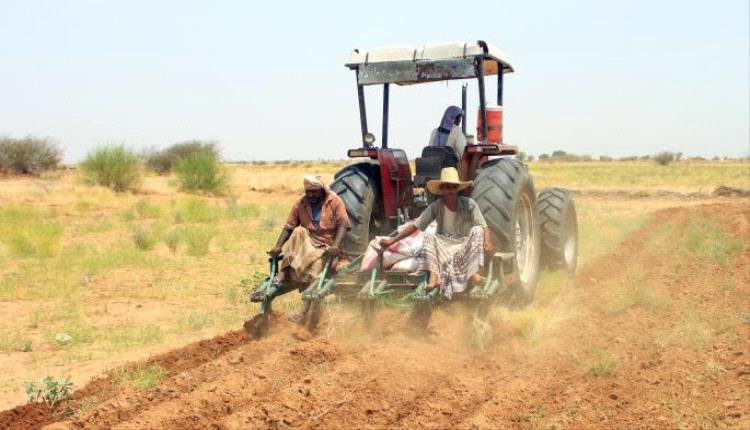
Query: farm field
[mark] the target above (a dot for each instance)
(140, 297)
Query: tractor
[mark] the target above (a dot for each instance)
(530, 231)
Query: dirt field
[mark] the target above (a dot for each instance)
(653, 332)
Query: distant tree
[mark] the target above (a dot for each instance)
(630, 158)
(605, 158)
(530, 158)
(716, 158)
(521, 156)
(678, 156)
(559, 153)
(664, 158)
(544, 157)
(645, 157)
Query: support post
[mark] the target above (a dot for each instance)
(386, 97)
(499, 84)
(463, 108)
(362, 112)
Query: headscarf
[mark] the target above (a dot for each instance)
(446, 124)
(313, 182)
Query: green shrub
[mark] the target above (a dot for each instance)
(112, 166)
(172, 239)
(197, 240)
(143, 239)
(50, 391)
(29, 155)
(142, 209)
(142, 377)
(194, 209)
(201, 172)
(165, 160)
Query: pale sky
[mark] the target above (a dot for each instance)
(267, 79)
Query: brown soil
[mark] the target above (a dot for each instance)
(343, 377)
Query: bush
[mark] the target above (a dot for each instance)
(164, 161)
(605, 158)
(52, 392)
(112, 166)
(29, 155)
(201, 172)
(143, 239)
(664, 158)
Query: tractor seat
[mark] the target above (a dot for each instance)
(434, 159)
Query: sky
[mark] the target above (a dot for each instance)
(267, 79)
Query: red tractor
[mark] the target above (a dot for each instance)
(380, 193)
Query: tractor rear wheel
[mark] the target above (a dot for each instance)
(356, 185)
(559, 226)
(504, 191)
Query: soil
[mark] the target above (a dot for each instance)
(667, 373)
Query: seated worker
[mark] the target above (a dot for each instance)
(315, 228)
(454, 255)
(449, 132)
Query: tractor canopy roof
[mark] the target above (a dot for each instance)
(439, 62)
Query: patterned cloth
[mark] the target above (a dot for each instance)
(455, 258)
(303, 255)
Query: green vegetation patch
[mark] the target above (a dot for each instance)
(602, 363)
(711, 241)
(28, 232)
(194, 321)
(690, 331)
(143, 209)
(10, 341)
(141, 377)
(194, 209)
(120, 338)
(197, 240)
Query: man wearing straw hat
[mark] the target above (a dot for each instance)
(315, 228)
(454, 255)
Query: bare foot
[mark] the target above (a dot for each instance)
(433, 282)
(476, 279)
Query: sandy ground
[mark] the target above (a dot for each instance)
(665, 361)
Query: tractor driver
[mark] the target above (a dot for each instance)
(449, 132)
(314, 230)
(454, 254)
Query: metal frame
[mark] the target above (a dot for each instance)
(422, 72)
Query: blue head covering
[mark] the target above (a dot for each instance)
(446, 124)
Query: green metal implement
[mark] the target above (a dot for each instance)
(324, 285)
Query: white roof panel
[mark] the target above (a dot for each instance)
(432, 52)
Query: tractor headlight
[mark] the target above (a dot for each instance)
(369, 139)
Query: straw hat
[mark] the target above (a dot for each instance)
(448, 175)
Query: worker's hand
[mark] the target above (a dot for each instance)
(333, 250)
(489, 249)
(386, 242)
(274, 252)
